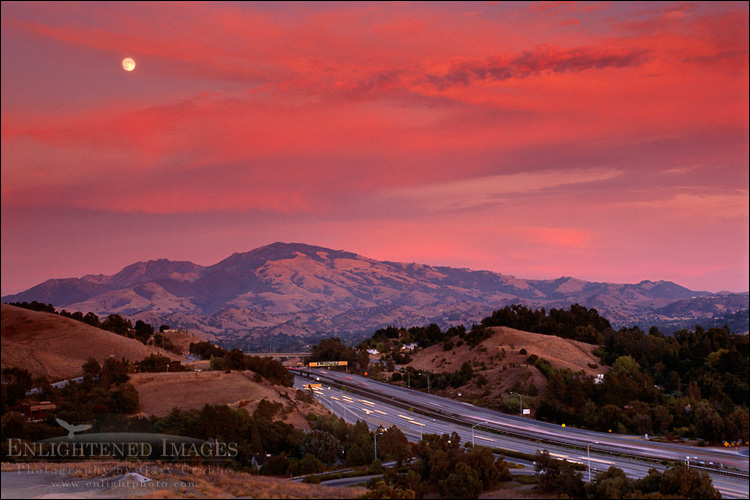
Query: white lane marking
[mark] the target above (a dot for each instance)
(596, 460)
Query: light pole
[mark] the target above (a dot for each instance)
(408, 378)
(472, 432)
(588, 456)
(520, 396)
(428, 382)
(377, 431)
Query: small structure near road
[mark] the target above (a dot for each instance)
(37, 411)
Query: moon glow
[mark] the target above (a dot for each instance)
(128, 64)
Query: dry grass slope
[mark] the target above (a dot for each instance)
(55, 347)
(160, 392)
(180, 481)
(503, 370)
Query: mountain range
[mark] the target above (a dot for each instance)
(303, 291)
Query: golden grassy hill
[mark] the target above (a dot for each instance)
(499, 360)
(56, 347)
(160, 392)
(181, 339)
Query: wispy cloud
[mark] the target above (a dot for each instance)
(481, 191)
(690, 205)
(543, 59)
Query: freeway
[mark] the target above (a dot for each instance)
(417, 413)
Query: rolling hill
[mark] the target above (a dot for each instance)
(56, 347)
(159, 393)
(303, 291)
(501, 361)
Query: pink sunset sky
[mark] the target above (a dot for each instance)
(604, 141)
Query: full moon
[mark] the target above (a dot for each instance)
(128, 64)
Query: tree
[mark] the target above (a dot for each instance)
(143, 331)
(276, 466)
(117, 324)
(382, 490)
(676, 482)
(92, 367)
(491, 471)
(114, 372)
(558, 475)
(463, 483)
(92, 319)
(322, 445)
(18, 384)
(125, 399)
(310, 465)
(612, 483)
(332, 349)
(267, 409)
(689, 483)
(394, 445)
(155, 363)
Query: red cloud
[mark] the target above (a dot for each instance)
(544, 59)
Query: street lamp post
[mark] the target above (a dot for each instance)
(472, 432)
(588, 456)
(520, 396)
(428, 382)
(377, 431)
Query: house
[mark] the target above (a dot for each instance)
(37, 411)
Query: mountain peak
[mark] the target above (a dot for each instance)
(154, 270)
(280, 251)
(299, 289)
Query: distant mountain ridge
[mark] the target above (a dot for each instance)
(299, 290)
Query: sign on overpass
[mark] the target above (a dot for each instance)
(315, 364)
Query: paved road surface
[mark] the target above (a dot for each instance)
(358, 398)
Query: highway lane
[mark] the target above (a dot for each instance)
(352, 407)
(537, 429)
(522, 431)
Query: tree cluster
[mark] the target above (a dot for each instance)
(444, 467)
(102, 393)
(576, 323)
(207, 350)
(115, 323)
(332, 349)
(693, 384)
(221, 359)
(562, 477)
